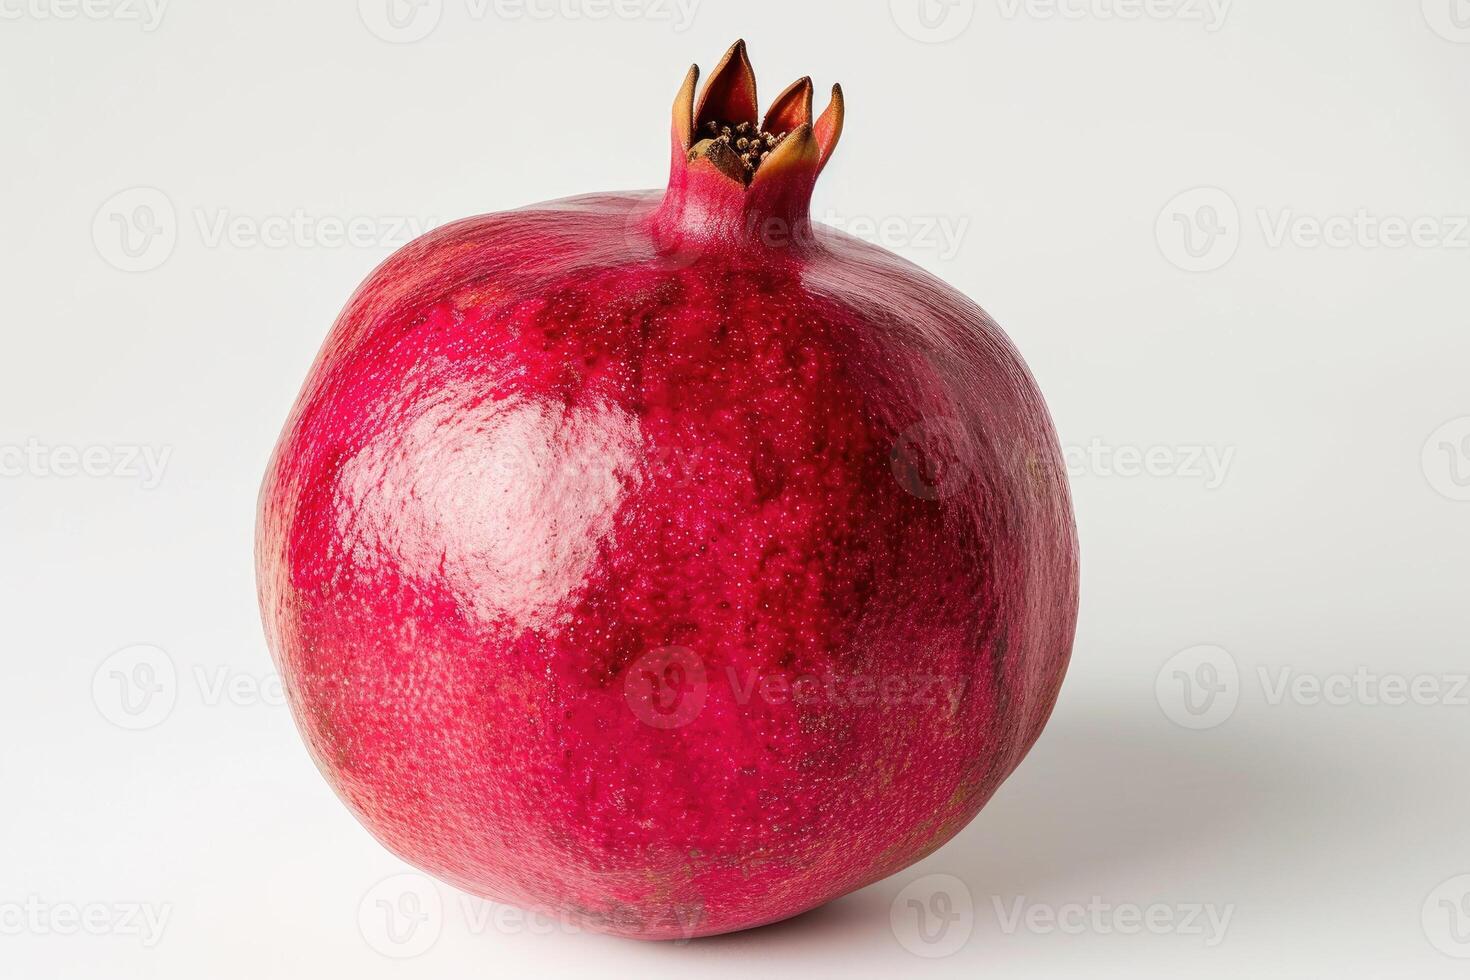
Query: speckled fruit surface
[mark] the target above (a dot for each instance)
(663, 562)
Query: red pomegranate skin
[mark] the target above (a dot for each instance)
(631, 567)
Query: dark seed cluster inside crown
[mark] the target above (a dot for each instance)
(750, 143)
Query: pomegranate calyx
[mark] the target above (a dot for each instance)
(722, 128)
(737, 180)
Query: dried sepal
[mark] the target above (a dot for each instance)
(791, 110)
(684, 109)
(729, 95)
(829, 126)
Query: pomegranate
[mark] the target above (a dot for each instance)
(660, 560)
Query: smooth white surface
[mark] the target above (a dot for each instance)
(1304, 514)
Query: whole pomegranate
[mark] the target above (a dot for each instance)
(663, 562)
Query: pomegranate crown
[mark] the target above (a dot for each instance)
(733, 171)
(723, 131)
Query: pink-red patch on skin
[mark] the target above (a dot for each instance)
(668, 586)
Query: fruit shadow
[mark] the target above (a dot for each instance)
(1109, 796)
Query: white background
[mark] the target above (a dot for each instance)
(1048, 162)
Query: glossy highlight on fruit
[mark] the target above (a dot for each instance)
(660, 560)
